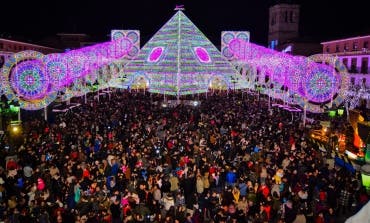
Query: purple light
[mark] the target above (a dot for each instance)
(55, 66)
(29, 81)
(155, 54)
(202, 54)
(316, 82)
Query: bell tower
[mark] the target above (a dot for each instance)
(283, 23)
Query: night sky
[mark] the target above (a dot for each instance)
(35, 20)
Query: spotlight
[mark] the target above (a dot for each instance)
(195, 103)
(15, 129)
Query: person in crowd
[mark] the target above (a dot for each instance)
(126, 158)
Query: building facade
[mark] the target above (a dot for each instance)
(74, 40)
(9, 47)
(283, 24)
(354, 53)
(284, 31)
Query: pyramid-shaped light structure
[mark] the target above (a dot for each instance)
(180, 60)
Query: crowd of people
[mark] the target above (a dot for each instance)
(128, 158)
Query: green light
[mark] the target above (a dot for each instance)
(365, 176)
(340, 111)
(14, 109)
(332, 113)
(367, 154)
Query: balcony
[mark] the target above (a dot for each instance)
(353, 52)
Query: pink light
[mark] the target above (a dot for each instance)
(202, 54)
(30, 80)
(155, 54)
(296, 72)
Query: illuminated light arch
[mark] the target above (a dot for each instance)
(25, 80)
(55, 66)
(139, 80)
(341, 74)
(29, 80)
(315, 83)
(34, 79)
(320, 84)
(218, 83)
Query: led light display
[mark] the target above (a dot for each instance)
(29, 80)
(227, 36)
(56, 67)
(133, 36)
(155, 55)
(34, 80)
(188, 63)
(317, 79)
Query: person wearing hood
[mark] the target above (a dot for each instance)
(168, 201)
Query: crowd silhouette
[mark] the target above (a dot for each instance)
(127, 158)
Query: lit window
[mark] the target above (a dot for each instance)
(202, 54)
(156, 54)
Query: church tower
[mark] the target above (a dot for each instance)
(283, 23)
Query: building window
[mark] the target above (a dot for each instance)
(345, 47)
(2, 60)
(366, 44)
(345, 62)
(273, 19)
(337, 48)
(286, 16)
(353, 80)
(291, 16)
(353, 65)
(364, 65)
(327, 49)
(354, 46)
(1, 45)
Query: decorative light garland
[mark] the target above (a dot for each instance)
(317, 79)
(34, 79)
